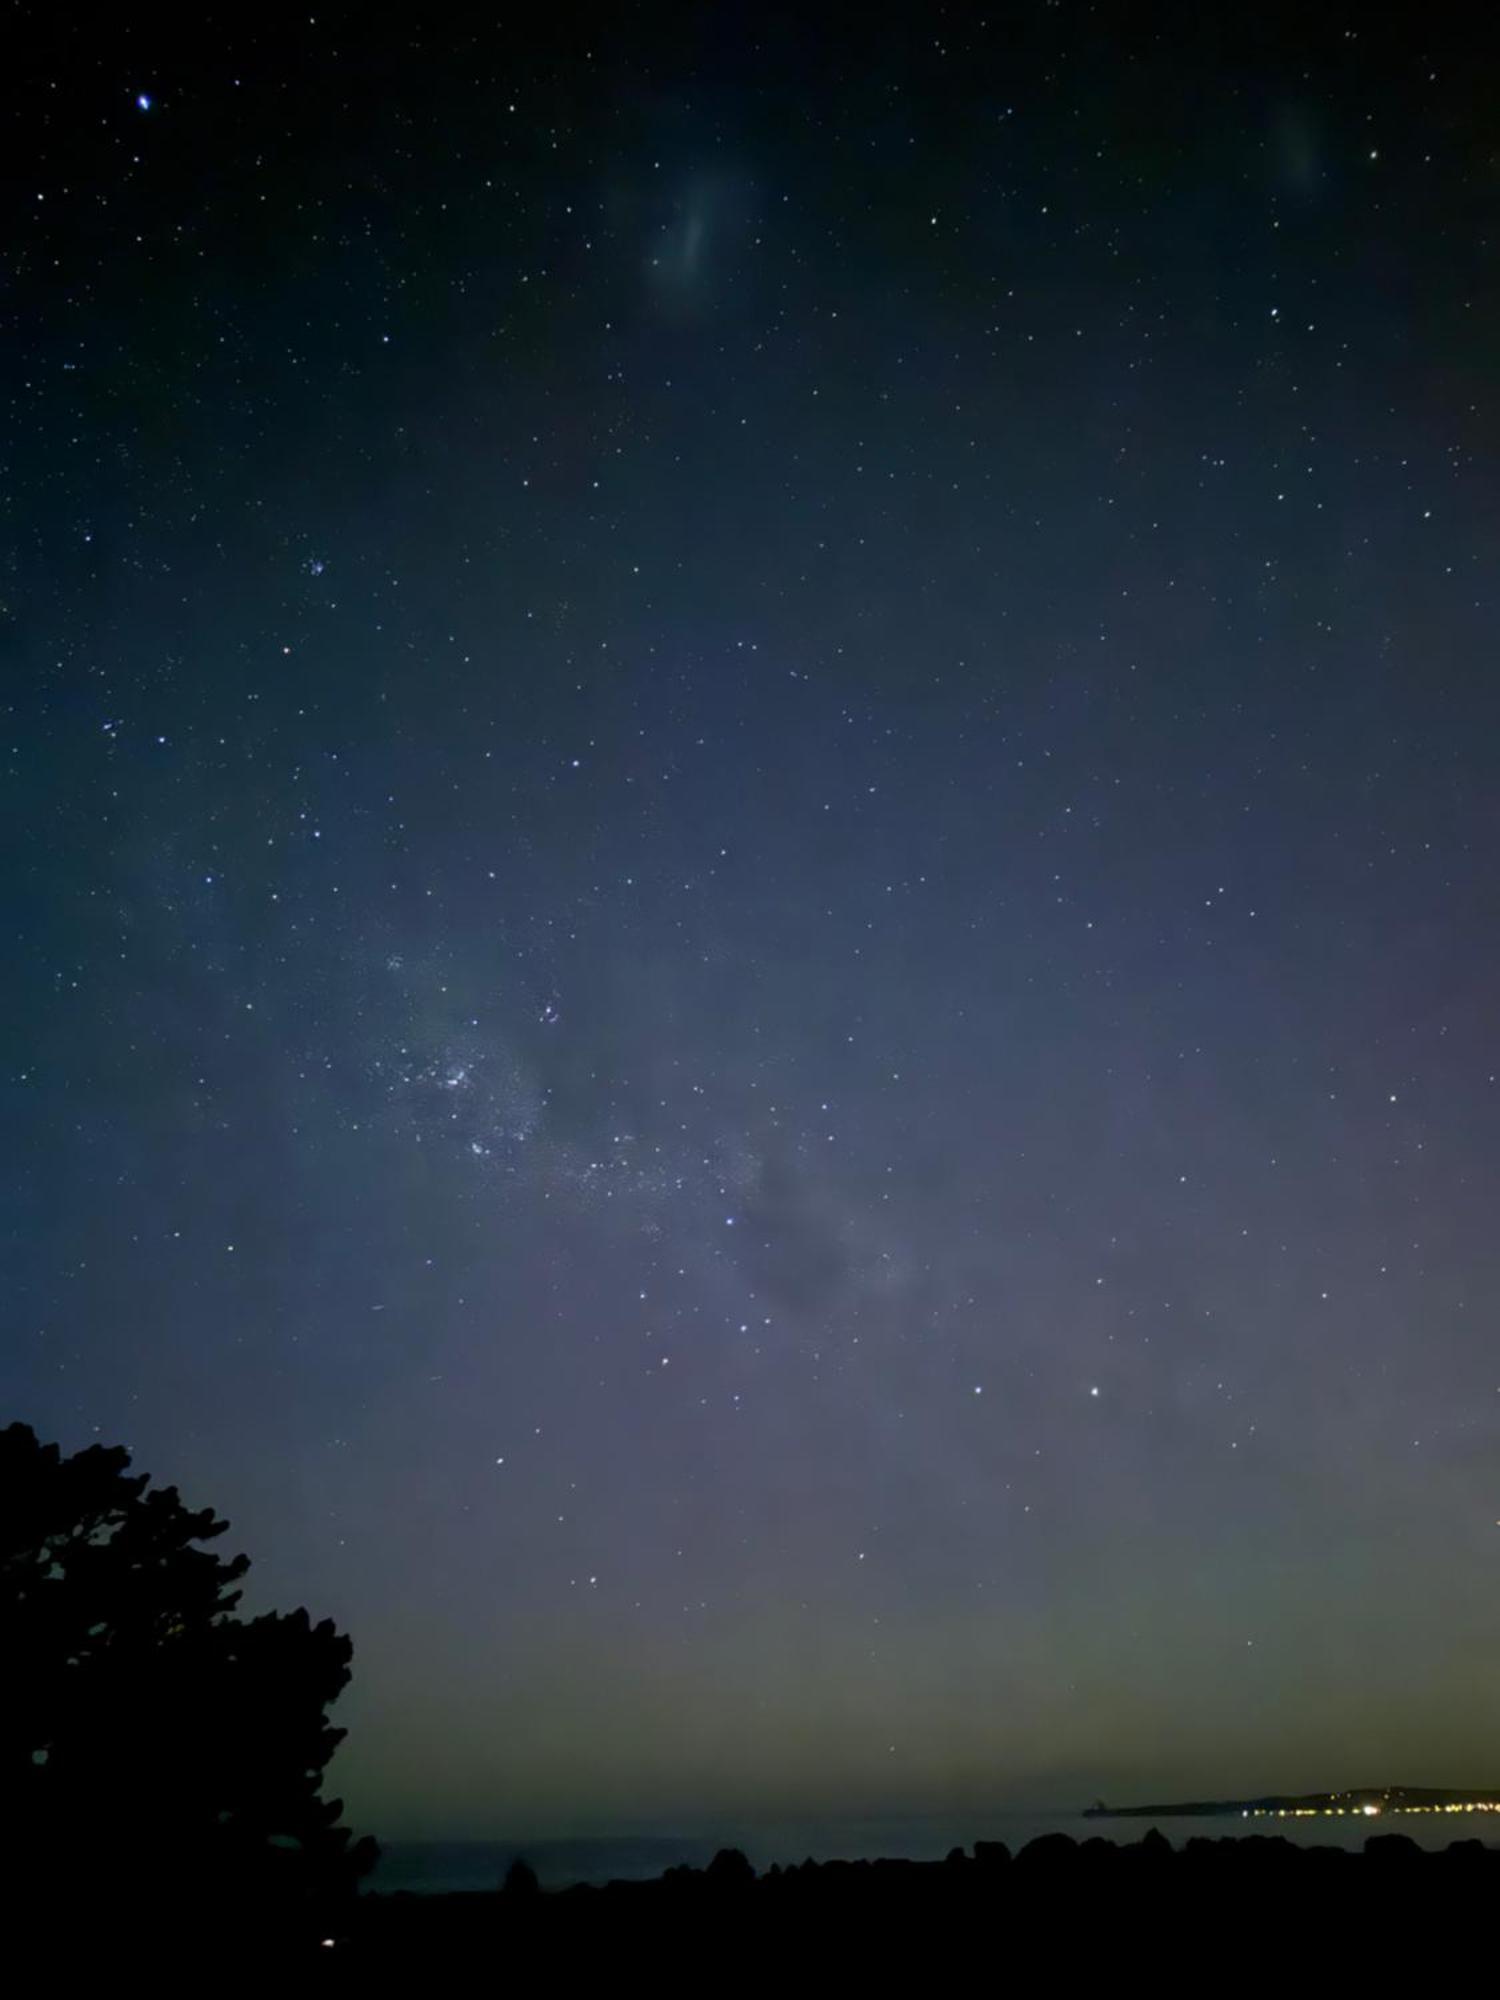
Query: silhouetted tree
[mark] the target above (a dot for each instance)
(156, 1751)
(520, 1880)
(1392, 1850)
(730, 1869)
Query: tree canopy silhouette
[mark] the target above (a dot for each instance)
(521, 1879)
(156, 1749)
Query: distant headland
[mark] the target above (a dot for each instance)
(1372, 1802)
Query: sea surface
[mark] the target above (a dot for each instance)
(436, 1867)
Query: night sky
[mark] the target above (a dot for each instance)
(752, 858)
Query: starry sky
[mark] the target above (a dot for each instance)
(751, 832)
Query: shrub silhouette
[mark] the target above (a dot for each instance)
(730, 1869)
(156, 1751)
(521, 1880)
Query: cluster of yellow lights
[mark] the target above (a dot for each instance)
(1362, 1812)
(1475, 1805)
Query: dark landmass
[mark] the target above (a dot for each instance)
(1368, 1802)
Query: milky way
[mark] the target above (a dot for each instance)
(751, 888)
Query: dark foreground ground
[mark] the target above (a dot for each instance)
(1226, 1912)
(1213, 1907)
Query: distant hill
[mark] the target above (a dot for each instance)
(1369, 1802)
